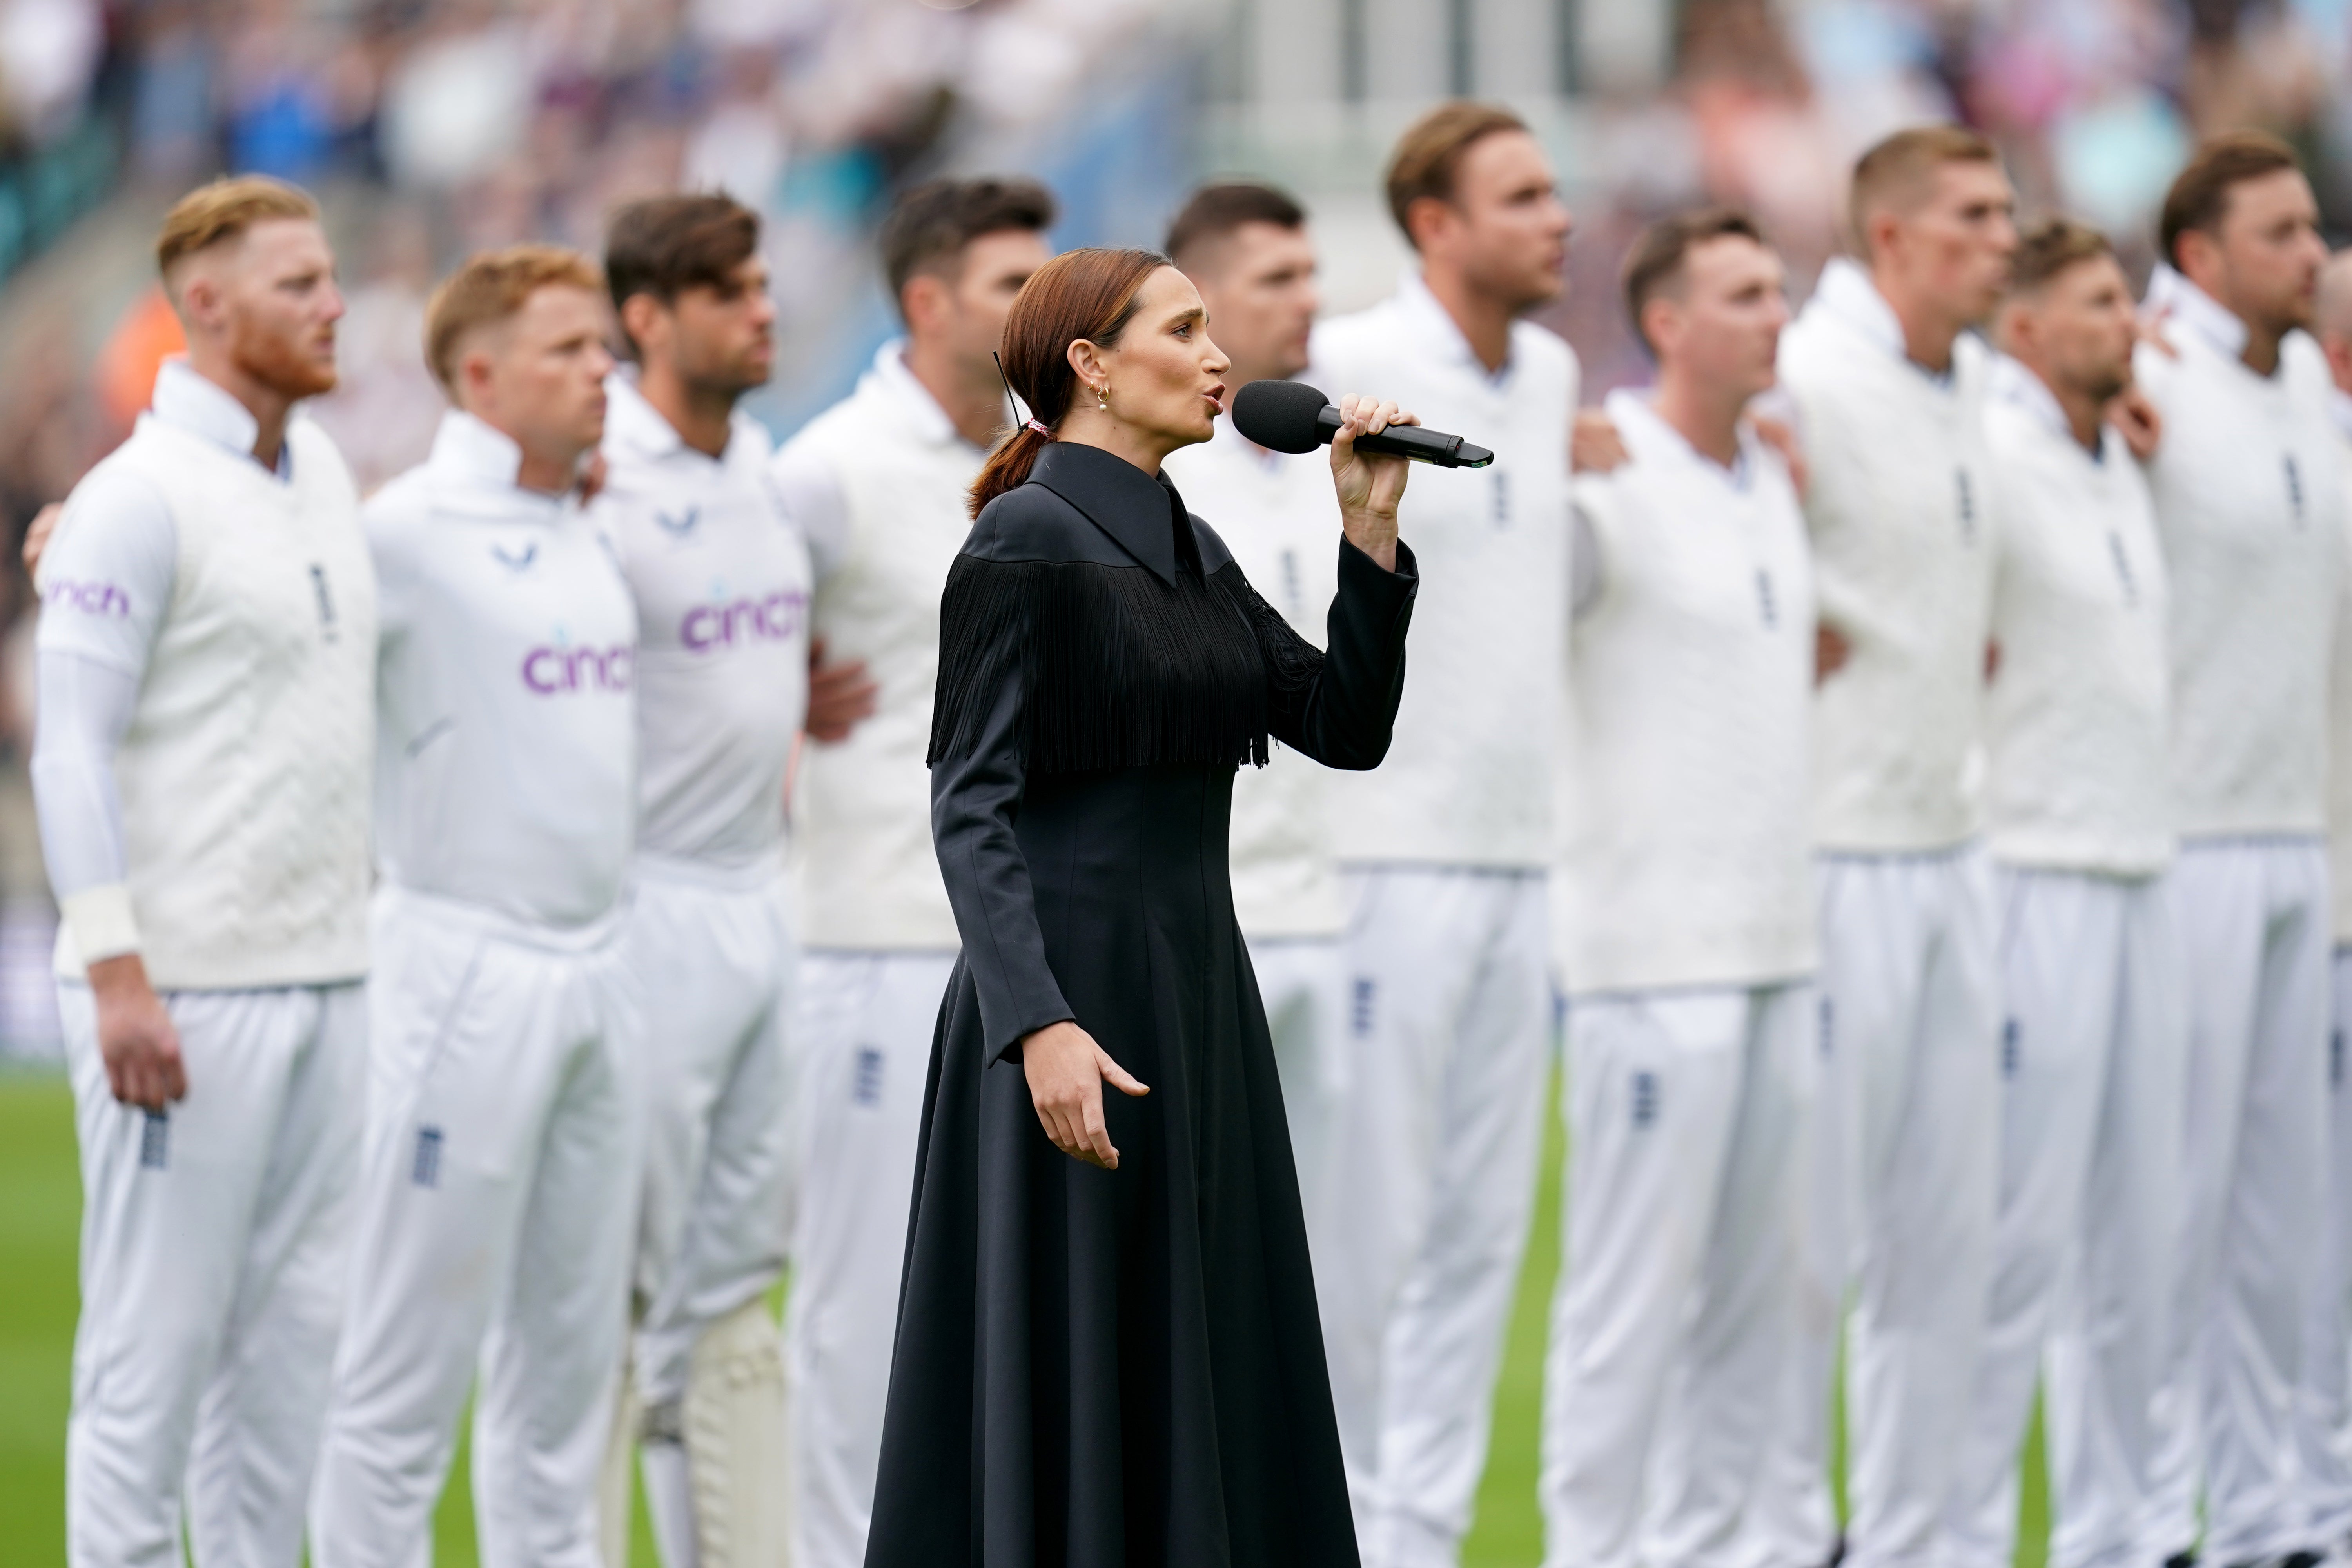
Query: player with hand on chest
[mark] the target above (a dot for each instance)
(499, 1173)
(720, 576)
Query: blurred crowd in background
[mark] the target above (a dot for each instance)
(433, 127)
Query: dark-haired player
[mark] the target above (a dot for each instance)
(879, 484)
(721, 575)
(2248, 497)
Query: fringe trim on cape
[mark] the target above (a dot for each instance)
(1117, 668)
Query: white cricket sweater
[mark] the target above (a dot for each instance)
(2339, 702)
(2076, 733)
(1468, 779)
(879, 484)
(1278, 514)
(1683, 794)
(507, 727)
(243, 604)
(722, 580)
(2248, 492)
(1899, 509)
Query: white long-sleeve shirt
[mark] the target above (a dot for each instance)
(2249, 494)
(1682, 785)
(2077, 734)
(1899, 507)
(1278, 514)
(722, 580)
(1468, 780)
(507, 721)
(879, 484)
(204, 658)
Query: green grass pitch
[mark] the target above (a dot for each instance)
(40, 1211)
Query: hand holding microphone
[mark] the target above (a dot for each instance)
(1292, 416)
(1370, 480)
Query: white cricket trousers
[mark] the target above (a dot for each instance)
(1672, 1320)
(713, 960)
(1303, 983)
(863, 1042)
(1901, 1196)
(2094, 1060)
(212, 1256)
(2324, 1418)
(2254, 924)
(1433, 1181)
(497, 1221)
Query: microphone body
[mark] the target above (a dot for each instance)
(1291, 416)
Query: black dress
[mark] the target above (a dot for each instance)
(1111, 1368)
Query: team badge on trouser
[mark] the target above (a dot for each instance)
(213, 1261)
(862, 1041)
(1671, 1325)
(2094, 1063)
(497, 1212)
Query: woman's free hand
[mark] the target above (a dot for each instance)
(1066, 1071)
(1369, 487)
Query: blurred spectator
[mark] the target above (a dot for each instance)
(49, 51)
(384, 412)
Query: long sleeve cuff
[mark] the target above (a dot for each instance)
(100, 921)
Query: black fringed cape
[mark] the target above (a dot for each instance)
(1117, 1369)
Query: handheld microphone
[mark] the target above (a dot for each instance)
(1292, 416)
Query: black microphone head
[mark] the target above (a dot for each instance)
(1280, 415)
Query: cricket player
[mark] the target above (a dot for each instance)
(1445, 846)
(1888, 391)
(1247, 249)
(879, 484)
(1683, 921)
(721, 582)
(2249, 490)
(206, 665)
(2327, 1422)
(2080, 827)
(499, 1175)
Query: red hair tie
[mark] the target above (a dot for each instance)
(1032, 425)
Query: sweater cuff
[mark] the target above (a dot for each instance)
(101, 922)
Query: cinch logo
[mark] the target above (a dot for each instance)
(549, 670)
(771, 619)
(89, 598)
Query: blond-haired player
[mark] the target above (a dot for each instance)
(206, 648)
(499, 1180)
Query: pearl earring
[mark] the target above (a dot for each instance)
(1102, 398)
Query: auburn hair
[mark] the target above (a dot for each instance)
(222, 211)
(1080, 296)
(491, 286)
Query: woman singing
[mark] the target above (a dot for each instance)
(1107, 1349)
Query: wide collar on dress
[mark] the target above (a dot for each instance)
(1134, 508)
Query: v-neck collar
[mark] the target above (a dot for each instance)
(1138, 509)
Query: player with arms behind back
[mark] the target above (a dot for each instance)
(206, 660)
